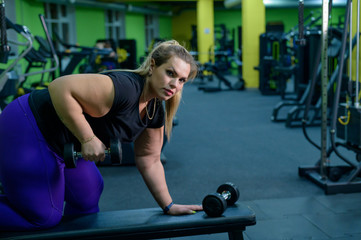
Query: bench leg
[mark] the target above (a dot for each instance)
(235, 235)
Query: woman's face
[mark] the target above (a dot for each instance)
(169, 78)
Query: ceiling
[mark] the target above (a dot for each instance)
(166, 7)
(268, 3)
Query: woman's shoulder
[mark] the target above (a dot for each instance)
(124, 75)
(127, 80)
(128, 87)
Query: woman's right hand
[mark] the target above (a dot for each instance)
(93, 150)
(178, 209)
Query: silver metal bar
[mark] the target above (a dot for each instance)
(350, 48)
(324, 83)
(226, 195)
(29, 45)
(357, 103)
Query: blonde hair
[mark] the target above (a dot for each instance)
(161, 53)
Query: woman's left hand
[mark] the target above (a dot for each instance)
(178, 209)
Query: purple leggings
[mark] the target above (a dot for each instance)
(35, 182)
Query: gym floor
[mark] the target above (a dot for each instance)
(228, 136)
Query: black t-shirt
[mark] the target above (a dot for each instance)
(122, 121)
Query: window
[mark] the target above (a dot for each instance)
(60, 21)
(114, 25)
(151, 29)
(10, 13)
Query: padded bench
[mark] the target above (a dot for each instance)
(144, 224)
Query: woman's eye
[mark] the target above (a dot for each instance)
(170, 73)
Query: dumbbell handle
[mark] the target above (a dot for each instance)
(226, 194)
(79, 155)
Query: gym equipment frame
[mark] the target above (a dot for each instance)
(336, 179)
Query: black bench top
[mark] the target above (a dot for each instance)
(142, 224)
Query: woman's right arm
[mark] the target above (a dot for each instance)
(72, 95)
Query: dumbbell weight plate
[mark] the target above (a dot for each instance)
(115, 151)
(232, 188)
(214, 205)
(335, 173)
(69, 158)
(239, 85)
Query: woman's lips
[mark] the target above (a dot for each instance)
(168, 92)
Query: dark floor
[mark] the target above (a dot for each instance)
(228, 136)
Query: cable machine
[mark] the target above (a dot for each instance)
(341, 178)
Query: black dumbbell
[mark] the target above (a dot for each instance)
(216, 203)
(71, 157)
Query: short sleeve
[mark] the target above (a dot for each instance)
(126, 91)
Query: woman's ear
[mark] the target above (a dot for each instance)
(151, 67)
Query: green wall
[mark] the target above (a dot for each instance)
(90, 24)
(289, 16)
(165, 27)
(89, 21)
(135, 29)
(232, 19)
(27, 13)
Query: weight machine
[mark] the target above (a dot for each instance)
(10, 80)
(313, 101)
(338, 178)
(220, 74)
(76, 55)
(308, 75)
(277, 49)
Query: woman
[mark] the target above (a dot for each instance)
(88, 110)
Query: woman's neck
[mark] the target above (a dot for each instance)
(147, 93)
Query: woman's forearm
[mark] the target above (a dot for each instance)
(154, 178)
(147, 150)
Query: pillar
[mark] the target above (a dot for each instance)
(253, 25)
(354, 51)
(205, 30)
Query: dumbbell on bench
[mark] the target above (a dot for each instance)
(216, 203)
(71, 157)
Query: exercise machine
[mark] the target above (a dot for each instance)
(10, 80)
(295, 109)
(220, 73)
(81, 57)
(314, 98)
(338, 178)
(281, 57)
(303, 72)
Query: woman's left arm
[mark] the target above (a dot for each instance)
(147, 149)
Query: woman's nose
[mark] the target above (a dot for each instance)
(174, 82)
